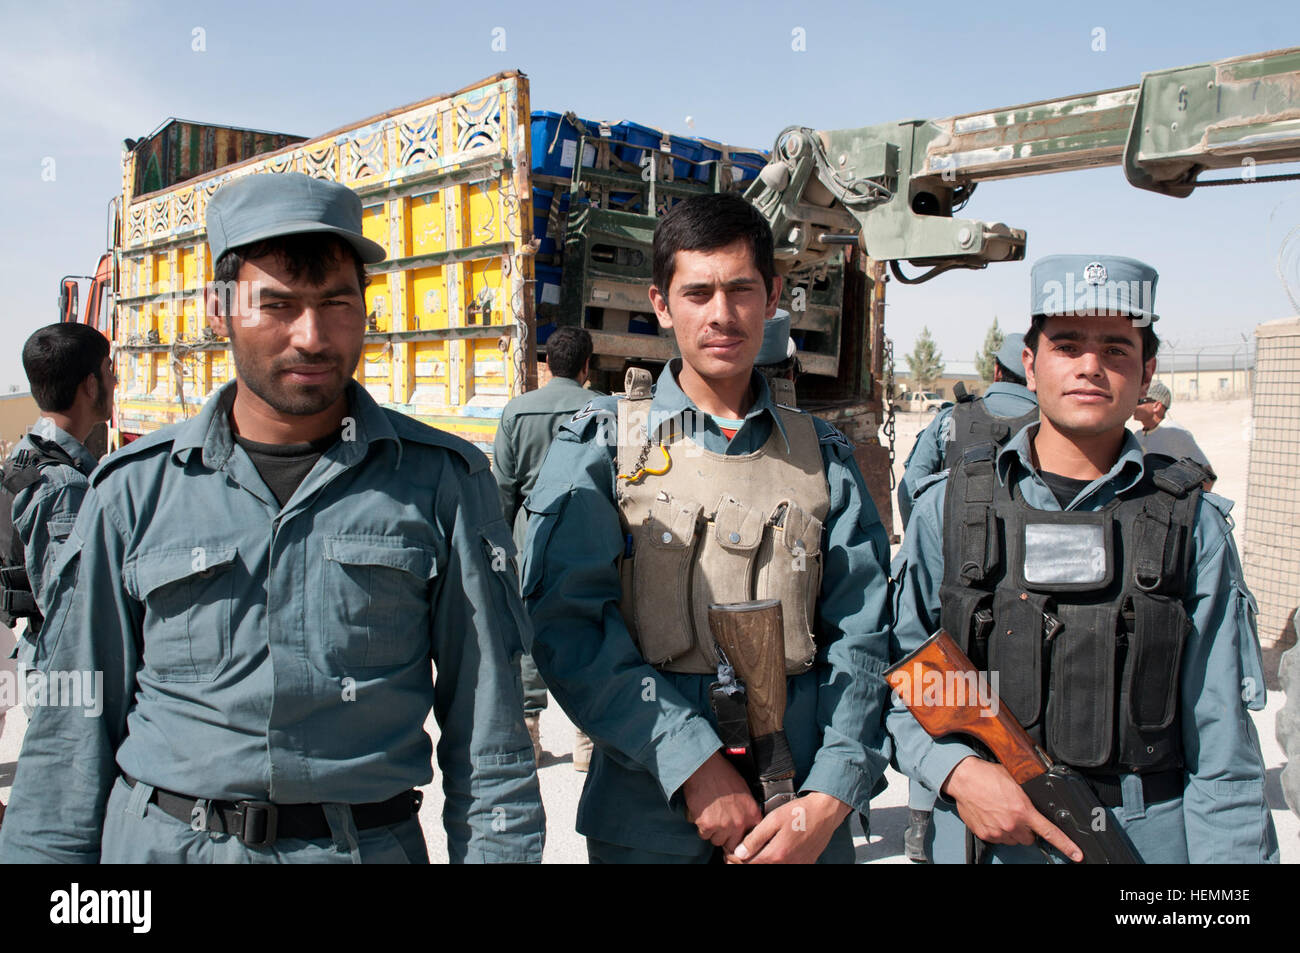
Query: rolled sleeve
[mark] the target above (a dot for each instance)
(493, 809)
(68, 760)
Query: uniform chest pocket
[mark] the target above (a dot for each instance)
(187, 594)
(374, 603)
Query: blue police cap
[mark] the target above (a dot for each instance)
(1104, 284)
(777, 345)
(1009, 354)
(256, 207)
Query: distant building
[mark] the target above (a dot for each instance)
(953, 371)
(1221, 372)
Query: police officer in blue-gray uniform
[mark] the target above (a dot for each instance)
(1003, 410)
(71, 376)
(1007, 406)
(261, 589)
(1103, 594)
(613, 574)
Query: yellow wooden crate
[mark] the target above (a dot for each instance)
(446, 190)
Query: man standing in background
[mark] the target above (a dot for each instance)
(1159, 434)
(528, 425)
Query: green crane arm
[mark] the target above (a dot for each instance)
(894, 187)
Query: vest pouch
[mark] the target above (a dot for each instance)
(1016, 652)
(965, 616)
(1081, 704)
(1150, 681)
(724, 571)
(790, 569)
(661, 580)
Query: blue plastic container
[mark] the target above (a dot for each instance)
(547, 288)
(555, 155)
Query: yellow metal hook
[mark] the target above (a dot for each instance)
(650, 471)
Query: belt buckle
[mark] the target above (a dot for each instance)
(256, 823)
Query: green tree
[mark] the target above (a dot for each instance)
(986, 360)
(925, 362)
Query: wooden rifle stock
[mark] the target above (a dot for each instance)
(942, 688)
(751, 636)
(937, 667)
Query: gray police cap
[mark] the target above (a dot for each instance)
(1072, 285)
(777, 345)
(1009, 354)
(256, 207)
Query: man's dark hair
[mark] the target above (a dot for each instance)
(1008, 375)
(58, 358)
(1150, 343)
(567, 351)
(306, 255)
(706, 222)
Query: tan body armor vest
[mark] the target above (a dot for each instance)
(716, 528)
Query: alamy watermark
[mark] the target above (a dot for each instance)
(949, 689)
(1099, 296)
(33, 688)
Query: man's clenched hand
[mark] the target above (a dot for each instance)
(719, 804)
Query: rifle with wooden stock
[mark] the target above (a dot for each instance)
(750, 638)
(1058, 792)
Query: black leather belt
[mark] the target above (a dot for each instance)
(1156, 787)
(261, 823)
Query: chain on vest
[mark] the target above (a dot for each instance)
(971, 423)
(22, 470)
(1079, 614)
(717, 528)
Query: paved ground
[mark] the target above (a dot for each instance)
(1220, 428)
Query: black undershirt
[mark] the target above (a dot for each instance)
(283, 466)
(1064, 488)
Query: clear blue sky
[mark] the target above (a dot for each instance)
(76, 79)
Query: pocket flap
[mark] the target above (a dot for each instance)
(61, 528)
(547, 498)
(394, 552)
(801, 531)
(738, 527)
(671, 525)
(161, 567)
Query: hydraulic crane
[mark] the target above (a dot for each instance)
(894, 187)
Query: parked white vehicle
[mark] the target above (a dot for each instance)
(919, 401)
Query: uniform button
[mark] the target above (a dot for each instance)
(668, 537)
(734, 537)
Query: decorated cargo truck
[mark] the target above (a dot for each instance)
(500, 224)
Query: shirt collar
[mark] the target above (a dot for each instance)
(209, 429)
(670, 401)
(1017, 455)
(1010, 387)
(47, 429)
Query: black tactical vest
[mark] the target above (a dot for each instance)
(21, 471)
(971, 423)
(1079, 614)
